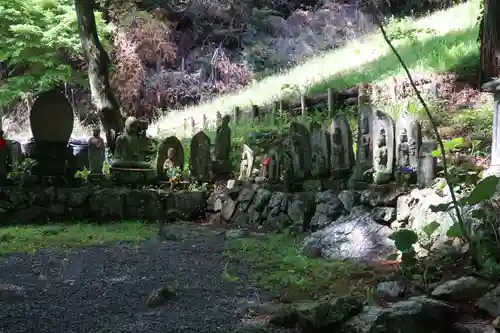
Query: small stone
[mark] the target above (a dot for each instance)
(10, 292)
(384, 215)
(159, 296)
(228, 209)
(390, 290)
(464, 288)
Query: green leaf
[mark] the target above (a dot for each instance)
(484, 190)
(409, 258)
(404, 239)
(455, 231)
(436, 153)
(453, 144)
(479, 214)
(430, 228)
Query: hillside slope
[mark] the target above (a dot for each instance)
(442, 42)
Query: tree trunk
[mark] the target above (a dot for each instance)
(98, 64)
(490, 41)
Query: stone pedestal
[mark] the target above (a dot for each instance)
(132, 176)
(54, 159)
(494, 88)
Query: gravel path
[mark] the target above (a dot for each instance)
(103, 288)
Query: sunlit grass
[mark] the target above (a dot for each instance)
(31, 238)
(443, 41)
(277, 264)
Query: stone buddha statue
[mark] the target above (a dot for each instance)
(129, 151)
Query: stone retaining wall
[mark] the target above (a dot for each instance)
(252, 204)
(344, 224)
(35, 205)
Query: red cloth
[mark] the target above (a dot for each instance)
(265, 161)
(3, 143)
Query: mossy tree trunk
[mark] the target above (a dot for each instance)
(490, 40)
(98, 64)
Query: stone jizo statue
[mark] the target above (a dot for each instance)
(169, 166)
(128, 149)
(404, 149)
(96, 152)
(223, 140)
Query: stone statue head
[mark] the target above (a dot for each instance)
(170, 153)
(96, 132)
(225, 120)
(132, 126)
(403, 137)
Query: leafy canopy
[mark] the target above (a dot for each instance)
(39, 39)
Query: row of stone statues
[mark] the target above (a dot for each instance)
(385, 151)
(134, 156)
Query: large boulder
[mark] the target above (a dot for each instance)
(354, 236)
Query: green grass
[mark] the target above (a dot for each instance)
(278, 266)
(442, 42)
(32, 238)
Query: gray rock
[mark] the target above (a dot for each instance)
(228, 209)
(384, 215)
(142, 205)
(464, 288)
(490, 302)
(315, 316)
(300, 210)
(474, 326)
(349, 199)
(355, 236)
(390, 290)
(403, 208)
(278, 203)
(107, 204)
(262, 197)
(414, 315)
(191, 204)
(377, 197)
(328, 209)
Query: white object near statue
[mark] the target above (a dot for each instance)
(494, 88)
(247, 162)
